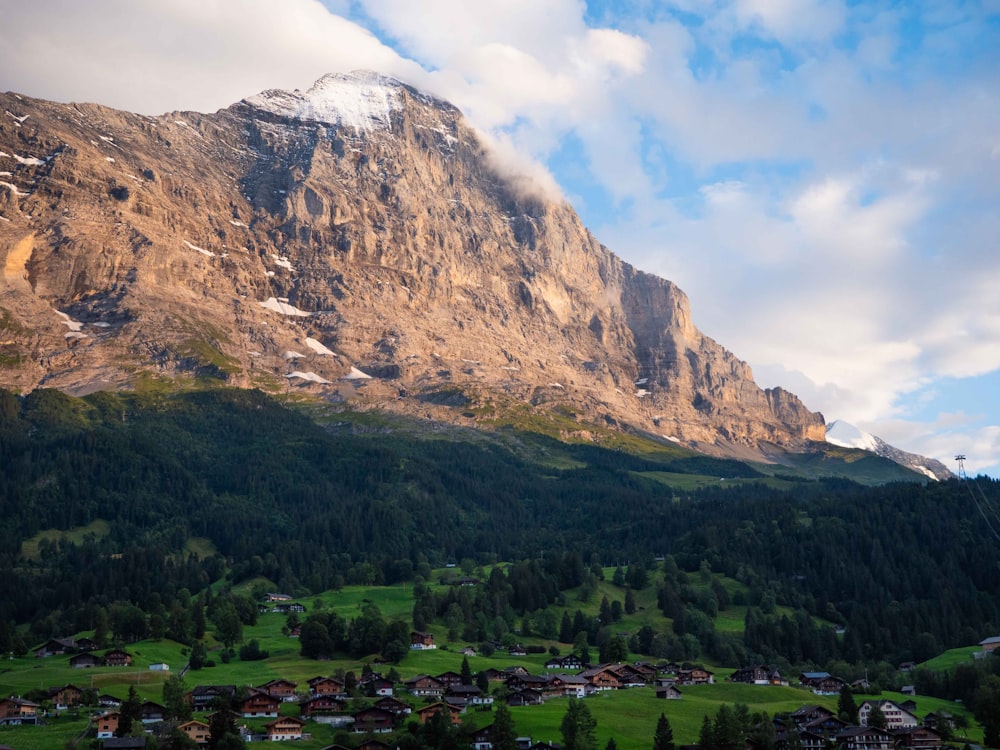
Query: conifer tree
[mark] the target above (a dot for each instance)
(579, 728)
(847, 708)
(706, 738)
(503, 733)
(130, 714)
(664, 737)
(466, 671)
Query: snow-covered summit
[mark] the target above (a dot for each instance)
(847, 435)
(362, 100)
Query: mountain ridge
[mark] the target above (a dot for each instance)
(847, 435)
(273, 249)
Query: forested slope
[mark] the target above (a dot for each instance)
(270, 492)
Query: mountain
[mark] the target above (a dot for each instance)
(847, 435)
(357, 241)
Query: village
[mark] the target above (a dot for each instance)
(371, 705)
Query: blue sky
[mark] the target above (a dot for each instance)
(820, 176)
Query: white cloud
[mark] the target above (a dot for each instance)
(151, 56)
(792, 21)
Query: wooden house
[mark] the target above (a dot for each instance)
(259, 703)
(117, 658)
(421, 641)
(283, 690)
(196, 731)
(107, 724)
(374, 720)
(284, 728)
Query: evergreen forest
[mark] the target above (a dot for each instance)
(127, 513)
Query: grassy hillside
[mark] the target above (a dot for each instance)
(628, 715)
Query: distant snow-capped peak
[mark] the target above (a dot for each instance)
(361, 100)
(846, 435)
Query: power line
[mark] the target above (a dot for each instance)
(968, 483)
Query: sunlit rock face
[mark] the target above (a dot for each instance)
(357, 241)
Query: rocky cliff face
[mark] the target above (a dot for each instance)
(355, 240)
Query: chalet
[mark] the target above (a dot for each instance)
(828, 726)
(695, 676)
(259, 703)
(117, 658)
(468, 651)
(106, 724)
(379, 687)
(14, 711)
(425, 686)
(909, 705)
(421, 641)
(939, 720)
(425, 713)
(568, 662)
(481, 739)
(55, 647)
(322, 705)
(283, 690)
(569, 685)
(85, 660)
(204, 697)
(528, 681)
(326, 686)
(602, 678)
(285, 609)
(759, 674)
(65, 697)
(393, 705)
(526, 697)
(668, 692)
(85, 644)
(151, 712)
(449, 678)
(284, 728)
(987, 644)
(864, 738)
(517, 650)
(495, 675)
(917, 737)
(514, 669)
(628, 675)
(808, 714)
(821, 683)
(106, 700)
(647, 670)
(470, 694)
(196, 731)
(812, 739)
(861, 685)
(896, 716)
(374, 720)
